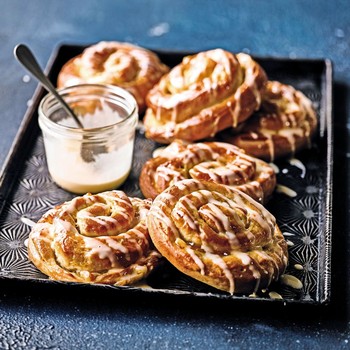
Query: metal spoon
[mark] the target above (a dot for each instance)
(27, 59)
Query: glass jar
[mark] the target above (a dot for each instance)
(98, 157)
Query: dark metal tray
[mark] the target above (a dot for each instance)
(27, 191)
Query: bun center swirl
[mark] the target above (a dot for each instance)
(118, 63)
(204, 71)
(232, 171)
(201, 78)
(217, 224)
(104, 215)
(115, 64)
(100, 232)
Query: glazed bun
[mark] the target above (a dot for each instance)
(206, 93)
(127, 66)
(100, 238)
(218, 235)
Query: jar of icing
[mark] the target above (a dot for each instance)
(98, 157)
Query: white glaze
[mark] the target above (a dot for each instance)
(298, 267)
(102, 250)
(27, 221)
(286, 190)
(275, 295)
(196, 259)
(297, 163)
(291, 281)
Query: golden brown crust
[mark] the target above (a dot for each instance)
(218, 235)
(128, 66)
(99, 238)
(206, 93)
(284, 124)
(208, 161)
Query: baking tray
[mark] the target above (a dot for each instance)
(27, 191)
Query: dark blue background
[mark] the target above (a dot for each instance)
(60, 317)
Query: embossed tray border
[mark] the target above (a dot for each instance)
(28, 132)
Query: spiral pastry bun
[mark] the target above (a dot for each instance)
(208, 161)
(218, 235)
(127, 66)
(100, 238)
(206, 93)
(284, 124)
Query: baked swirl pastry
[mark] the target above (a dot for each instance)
(128, 66)
(218, 235)
(100, 238)
(208, 161)
(206, 93)
(284, 124)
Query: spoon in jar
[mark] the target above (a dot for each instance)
(27, 59)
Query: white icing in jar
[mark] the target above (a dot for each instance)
(109, 115)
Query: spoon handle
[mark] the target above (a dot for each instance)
(27, 59)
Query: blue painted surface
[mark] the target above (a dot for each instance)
(33, 316)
